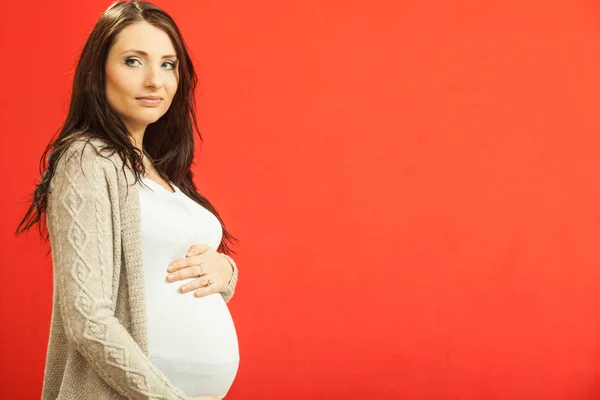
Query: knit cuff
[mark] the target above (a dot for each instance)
(230, 289)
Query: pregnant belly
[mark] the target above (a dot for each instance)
(192, 340)
(198, 379)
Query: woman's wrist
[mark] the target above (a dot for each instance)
(231, 264)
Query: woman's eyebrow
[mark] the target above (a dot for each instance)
(143, 53)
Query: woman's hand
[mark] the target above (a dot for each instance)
(212, 270)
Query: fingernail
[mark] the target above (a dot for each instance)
(170, 277)
(184, 288)
(170, 269)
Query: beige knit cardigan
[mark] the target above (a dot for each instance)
(98, 345)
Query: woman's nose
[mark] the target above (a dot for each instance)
(153, 77)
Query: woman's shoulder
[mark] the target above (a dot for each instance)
(88, 145)
(85, 155)
(88, 149)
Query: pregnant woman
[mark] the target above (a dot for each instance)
(140, 265)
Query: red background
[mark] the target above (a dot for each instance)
(415, 184)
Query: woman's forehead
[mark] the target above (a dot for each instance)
(144, 38)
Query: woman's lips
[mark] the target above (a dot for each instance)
(150, 101)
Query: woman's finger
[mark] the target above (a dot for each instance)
(193, 271)
(199, 283)
(197, 249)
(184, 263)
(205, 290)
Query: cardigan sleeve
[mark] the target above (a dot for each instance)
(230, 289)
(80, 222)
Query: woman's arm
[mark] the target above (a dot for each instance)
(80, 228)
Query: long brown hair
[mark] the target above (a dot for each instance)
(169, 141)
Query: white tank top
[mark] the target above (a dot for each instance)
(191, 340)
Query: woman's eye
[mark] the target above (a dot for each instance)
(131, 61)
(170, 65)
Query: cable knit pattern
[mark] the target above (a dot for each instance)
(90, 352)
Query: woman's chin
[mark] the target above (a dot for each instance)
(149, 118)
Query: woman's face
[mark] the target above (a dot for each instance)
(141, 75)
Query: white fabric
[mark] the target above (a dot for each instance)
(191, 340)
